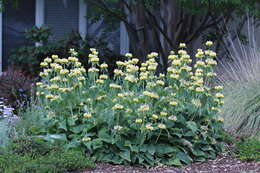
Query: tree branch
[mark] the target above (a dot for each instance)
(201, 26)
(158, 26)
(126, 5)
(100, 4)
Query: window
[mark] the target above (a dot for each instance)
(61, 16)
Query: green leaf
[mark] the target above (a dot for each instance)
(174, 162)
(71, 121)
(189, 134)
(200, 159)
(125, 155)
(134, 148)
(198, 153)
(88, 145)
(72, 144)
(104, 135)
(206, 148)
(149, 156)
(192, 125)
(164, 149)
(151, 149)
(141, 138)
(56, 137)
(96, 144)
(140, 158)
(177, 132)
(184, 157)
(144, 148)
(77, 129)
(63, 125)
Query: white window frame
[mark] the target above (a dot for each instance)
(1, 41)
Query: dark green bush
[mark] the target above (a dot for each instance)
(28, 58)
(37, 156)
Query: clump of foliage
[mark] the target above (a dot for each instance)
(4, 132)
(248, 149)
(36, 156)
(38, 35)
(16, 88)
(241, 78)
(138, 117)
(228, 138)
(28, 58)
(31, 121)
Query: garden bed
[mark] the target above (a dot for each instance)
(137, 118)
(223, 164)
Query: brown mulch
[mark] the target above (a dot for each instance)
(223, 164)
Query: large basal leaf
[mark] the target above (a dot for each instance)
(52, 137)
(164, 149)
(77, 129)
(71, 121)
(183, 157)
(174, 162)
(151, 149)
(104, 135)
(96, 144)
(125, 155)
(192, 125)
(72, 144)
(63, 125)
(197, 152)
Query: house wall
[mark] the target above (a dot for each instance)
(14, 22)
(63, 17)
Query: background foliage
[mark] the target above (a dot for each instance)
(28, 58)
(16, 89)
(160, 25)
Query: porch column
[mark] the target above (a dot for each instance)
(39, 13)
(124, 40)
(82, 19)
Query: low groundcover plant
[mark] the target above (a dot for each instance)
(32, 155)
(138, 117)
